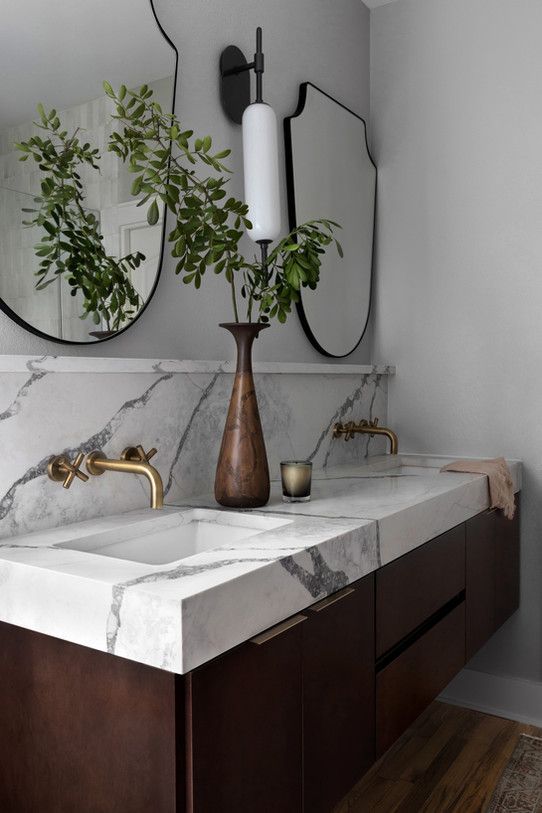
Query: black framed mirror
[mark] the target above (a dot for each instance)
(58, 54)
(330, 173)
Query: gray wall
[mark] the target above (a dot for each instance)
(324, 41)
(457, 135)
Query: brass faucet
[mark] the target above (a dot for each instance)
(62, 470)
(134, 460)
(365, 427)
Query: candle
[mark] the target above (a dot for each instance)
(296, 480)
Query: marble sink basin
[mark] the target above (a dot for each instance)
(173, 535)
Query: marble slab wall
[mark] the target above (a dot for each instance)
(55, 405)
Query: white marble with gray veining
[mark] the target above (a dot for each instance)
(90, 364)
(51, 405)
(178, 616)
(409, 498)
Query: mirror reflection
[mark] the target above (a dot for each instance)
(78, 259)
(331, 174)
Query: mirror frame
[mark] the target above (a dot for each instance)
(292, 217)
(4, 307)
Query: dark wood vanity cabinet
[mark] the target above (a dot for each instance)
(284, 723)
(435, 608)
(410, 682)
(507, 563)
(411, 589)
(420, 631)
(492, 575)
(338, 695)
(481, 569)
(82, 731)
(244, 727)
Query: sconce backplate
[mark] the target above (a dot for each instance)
(235, 87)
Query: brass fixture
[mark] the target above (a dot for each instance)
(365, 427)
(62, 470)
(133, 460)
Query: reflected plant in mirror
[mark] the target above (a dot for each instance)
(71, 244)
(87, 250)
(209, 223)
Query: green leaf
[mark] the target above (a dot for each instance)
(136, 186)
(108, 90)
(153, 213)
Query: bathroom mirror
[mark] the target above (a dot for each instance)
(58, 54)
(330, 173)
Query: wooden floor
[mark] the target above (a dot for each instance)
(450, 760)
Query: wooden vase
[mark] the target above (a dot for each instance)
(242, 473)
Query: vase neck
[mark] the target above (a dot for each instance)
(244, 334)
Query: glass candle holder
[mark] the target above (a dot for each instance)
(296, 476)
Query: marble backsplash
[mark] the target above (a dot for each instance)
(51, 405)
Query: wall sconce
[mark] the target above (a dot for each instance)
(260, 143)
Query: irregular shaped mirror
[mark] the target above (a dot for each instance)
(72, 208)
(331, 174)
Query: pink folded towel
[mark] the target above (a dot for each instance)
(501, 485)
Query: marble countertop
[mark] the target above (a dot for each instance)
(178, 616)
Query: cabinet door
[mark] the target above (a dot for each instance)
(84, 731)
(338, 694)
(244, 727)
(507, 562)
(480, 557)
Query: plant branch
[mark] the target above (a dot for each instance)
(209, 225)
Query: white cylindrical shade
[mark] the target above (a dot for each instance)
(261, 167)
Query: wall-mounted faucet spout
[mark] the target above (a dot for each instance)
(365, 427)
(134, 460)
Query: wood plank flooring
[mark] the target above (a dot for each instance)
(449, 761)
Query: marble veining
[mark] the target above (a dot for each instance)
(178, 616)
(52, 405)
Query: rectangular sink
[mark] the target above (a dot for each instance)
(172, 536)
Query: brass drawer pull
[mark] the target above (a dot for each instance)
(274, 632)
(327, 602)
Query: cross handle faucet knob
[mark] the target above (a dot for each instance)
(62, 470)
(138, 454)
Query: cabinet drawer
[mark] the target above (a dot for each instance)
(406, 686)
(411, 589)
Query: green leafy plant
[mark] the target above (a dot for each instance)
(208, 224)
(72, 246)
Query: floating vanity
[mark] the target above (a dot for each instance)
(193, 659)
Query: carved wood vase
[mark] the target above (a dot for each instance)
(242, 473)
